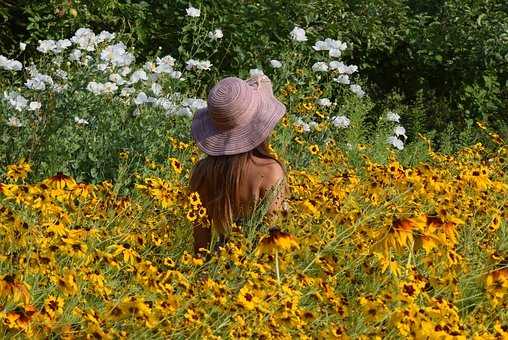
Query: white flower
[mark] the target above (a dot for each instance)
(204, 65)
(165, 103)
(167, 60)
(392, 116)
(200, 65)
(325, 102)
(275, 63)
(10, 64)
(110, 87)
(216, 34)
(337, 65)
(340, 121)
(176, 75)
(61, 45)
(95, 88)
(334, 53)
(156, 89)
(351, 69)
(298, 34)
(34, 106)
(46, 46)
(117, 55)
(399, 131)
(184, 111)
(193, 12)
(141, 98)
(22, 46)
(342, 79)
(14, 122)
(255, 72)
(16, 100)
(61, 74)
(397, 143)
(194, 103)
(75, 55)
(300, 123)
(39, 81)
(320, 67)
(80, 121)
(116, 78)
(127, 91)
(329, 44)
(138, 75)
(85, 39)
(163, 68)
(357, 89)
(125, 71)
(102, 66)
(103, 36)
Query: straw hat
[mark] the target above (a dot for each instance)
(240, 115)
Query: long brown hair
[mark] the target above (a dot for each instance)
(217, 179)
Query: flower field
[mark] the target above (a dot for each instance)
(385, 236)
(381, 250)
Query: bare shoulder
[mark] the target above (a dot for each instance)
(271, 172)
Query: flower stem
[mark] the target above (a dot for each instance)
(277, 265)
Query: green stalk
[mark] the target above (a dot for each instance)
(277, 265)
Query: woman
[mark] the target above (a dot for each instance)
(238, 171)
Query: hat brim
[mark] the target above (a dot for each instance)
(215, 142)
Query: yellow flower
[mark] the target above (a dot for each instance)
(194, 199)
(176, 165)
(276, 240)
(314, 149)
(18, 171)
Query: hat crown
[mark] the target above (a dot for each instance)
(232, 102)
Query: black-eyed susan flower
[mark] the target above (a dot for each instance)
(314, 149)
(176, 165)
(18, 171)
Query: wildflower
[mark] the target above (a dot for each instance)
(340, 121)
(104, 36)
(320, 67)
(400, 131)
(18, 171)
(14, 122)
(395, 142)
(191, 215)
(275, 63)
(46, 46)
(298, 34)
(80, 121)
(194, 199)
(324, 102)
(34, 106)
(141, 98)
(85, 39)
(247, 298)
(10, 64)
(53, 306)
(138, 75)
(117, 55)
(357, 89)
(314, 149)
(197, 64)
(392, 116)
(342, 79)
(255, 72)
(67, 283)
(193, 12)
(276, 240)
(22, 46)
(216, 34)
(13, 289)
(176, 165)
